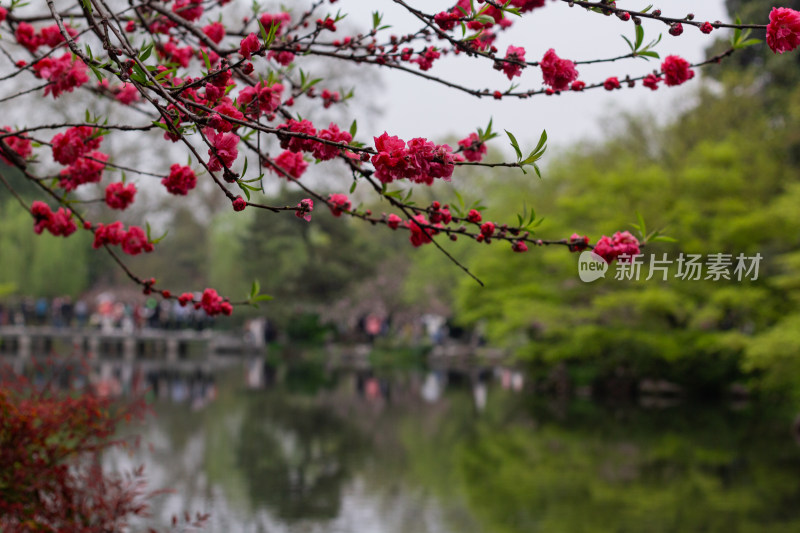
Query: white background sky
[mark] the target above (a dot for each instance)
(416, 107)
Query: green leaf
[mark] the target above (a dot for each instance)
(244, 189)
(748, 42)
(542, 141)
(642, 226)
(663, 238)
(158, 240)
(459, 198)
(353, 186)
(630, 44)
(145, 53)
(99, 75)
(639, 36)
(353, 128)
(206, 60)
(514, 144)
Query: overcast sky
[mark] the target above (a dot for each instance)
(416, 107)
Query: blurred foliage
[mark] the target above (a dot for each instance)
(719, 180)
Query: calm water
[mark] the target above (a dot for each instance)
(416, 452)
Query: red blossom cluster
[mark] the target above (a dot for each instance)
(514, 62)
(213, 304)
(180, 181)
(339, 203)
(73, 143)
(308, 143)
(51, 36)
(223, 151)
(119, 195)
(557, 73)
(291, 163)
(421, 161)
(85, 169)
(420, 230)
(260, 98)
(65, 74)
(19, 144)
(59, 223)
(621, 246)
(783, 30)
(304, 209)
(133, 241)
(676, 70)
(472, 147)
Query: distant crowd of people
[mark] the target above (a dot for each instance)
(103, 312)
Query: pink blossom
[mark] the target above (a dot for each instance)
(611, 83)
(323, 151)
(298, 144)
(292, 163)
(127, 94)
(473, 148)
(215, 31)
(19, 144)
(26, 36)
(519, 246)
(426, 58)
(111, 234)
(225, 109)
(622, 243)
(190, 10)
(304, 209)
(180, 181)
(52, 37)
(64, 73)
(223, 151)
(249, 46)
(279, 19)
(783, 30)
(527, 5)
(85, 169)
(514, 53)
(135, 241)
(339, 203)
(59, 223)
(557, 73)
(73, 143)
(420, 231)
(282, 58)
(119, 195)
(676, 70)
(393, 221)
(651, 81)
(262, 98)
(239, 203)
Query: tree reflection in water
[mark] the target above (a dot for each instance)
(296, 456)
(339, 454)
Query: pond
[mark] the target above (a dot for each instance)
(305, 449)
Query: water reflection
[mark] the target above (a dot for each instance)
(303, 448)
